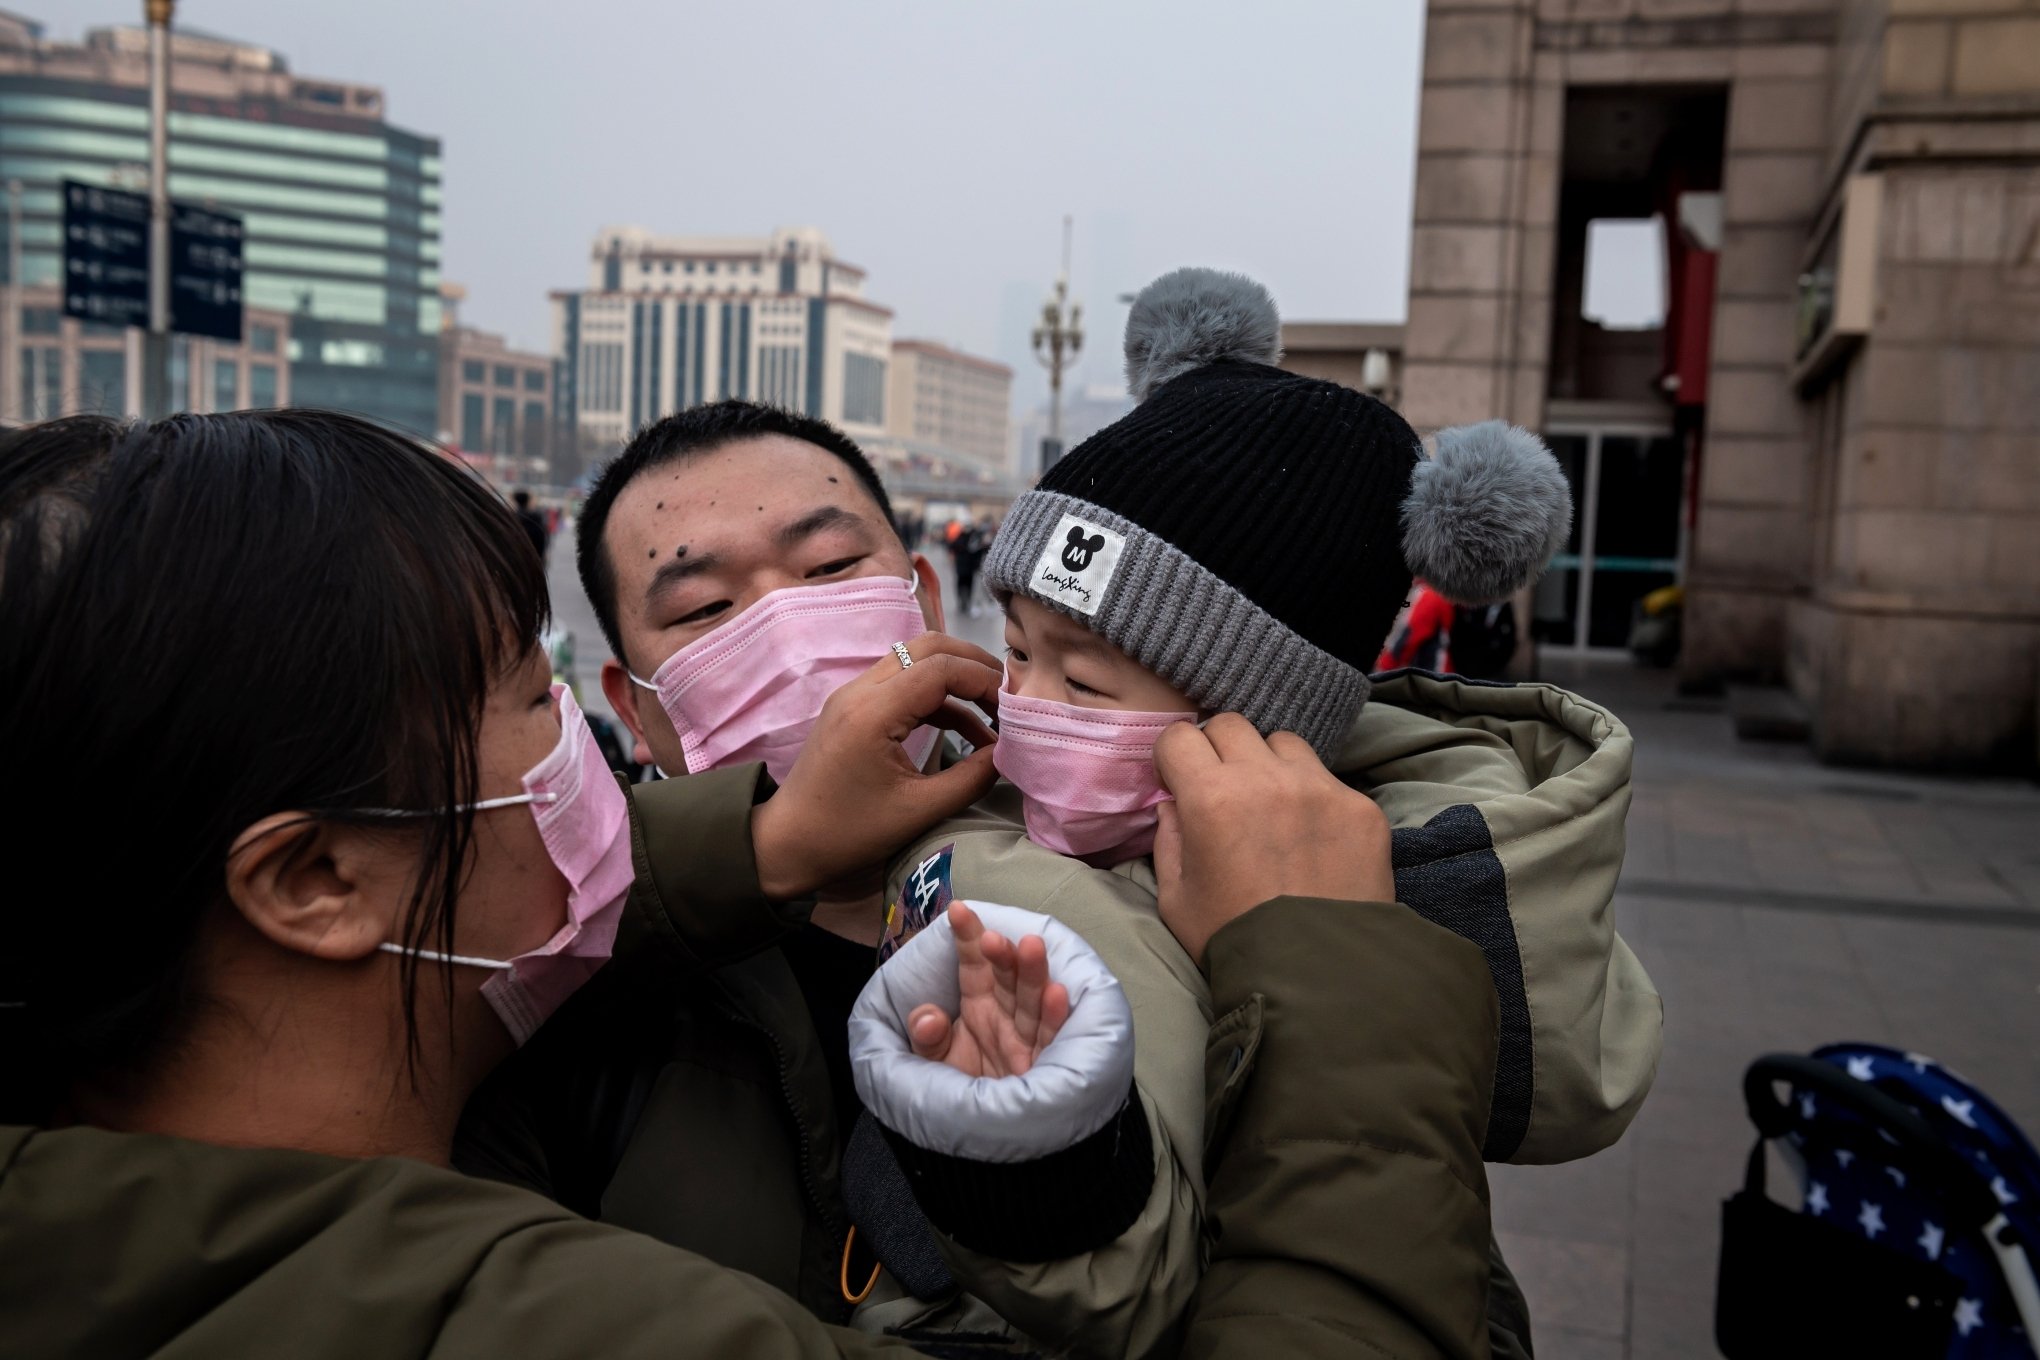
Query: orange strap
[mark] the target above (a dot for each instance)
(843, 1275)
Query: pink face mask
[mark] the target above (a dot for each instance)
(752, 689)
(585, 824)
(1086, 775)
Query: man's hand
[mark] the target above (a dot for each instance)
(1255, 820)
(853, 797)
(1010, 1011)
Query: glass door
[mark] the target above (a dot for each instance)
(1627, 483)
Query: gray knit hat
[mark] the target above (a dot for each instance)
(1249, 534)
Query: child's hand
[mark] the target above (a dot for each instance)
(1010, 1011)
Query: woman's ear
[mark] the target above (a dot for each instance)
(930, 591)
(314, 887)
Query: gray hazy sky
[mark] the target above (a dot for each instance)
(937, 142)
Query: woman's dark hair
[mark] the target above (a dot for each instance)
(203, 622)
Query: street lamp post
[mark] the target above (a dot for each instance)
(10, 377)
(156, 397)
(1057, 338)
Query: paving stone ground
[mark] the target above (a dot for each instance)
(1779, 904)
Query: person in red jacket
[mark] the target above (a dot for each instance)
(1424, 636)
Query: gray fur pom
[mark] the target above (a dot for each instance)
(1193, 317)
(1485, 513)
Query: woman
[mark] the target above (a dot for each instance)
(373, 850)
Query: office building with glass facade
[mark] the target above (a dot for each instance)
(341, 207)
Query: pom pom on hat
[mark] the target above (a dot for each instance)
(1485, 513)
(1193, 317)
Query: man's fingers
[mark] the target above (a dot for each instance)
(1183, 754)
(964, 720)
(933, 797)
(943, 644)
(1234, 738)
(913, 696)
(929, 1031)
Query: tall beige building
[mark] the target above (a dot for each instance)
(951, 400)
(1833, 438)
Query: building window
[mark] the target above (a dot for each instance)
(262, 339)
(534, 380)
(262, 386)
(473, 370)
(226, 383)
(863, 390)
(40, 380)
(102, 381)
(473, 438)
(506, 376)
(503, 431)
(534, 429)
(40, 320)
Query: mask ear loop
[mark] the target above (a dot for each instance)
(434, 956)
(485, 805)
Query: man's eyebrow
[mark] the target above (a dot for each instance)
(818, 519)
(678, 569)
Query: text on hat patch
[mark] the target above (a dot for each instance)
(1077, 564)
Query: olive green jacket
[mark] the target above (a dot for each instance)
(1507, 803)
(1355, 1050)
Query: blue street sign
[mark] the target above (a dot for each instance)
(205, 272)
(106, 262)
(106, 255)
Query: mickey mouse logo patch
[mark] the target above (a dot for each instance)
(1081, 548)
(1077, 565)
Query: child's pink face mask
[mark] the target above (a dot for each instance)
(1086, 775)
(752, 689)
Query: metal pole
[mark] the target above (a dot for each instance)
(156, 397)
(1056, 342)
(10, 381)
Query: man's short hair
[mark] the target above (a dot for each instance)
(521, 498)
(678, 438)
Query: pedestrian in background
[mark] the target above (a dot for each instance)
(1423, 636)
(534, 523)
(967, 551)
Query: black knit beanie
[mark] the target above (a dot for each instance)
(1249, 534)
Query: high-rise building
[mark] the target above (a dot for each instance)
(952, 400)
(341, 207)
(669, 322)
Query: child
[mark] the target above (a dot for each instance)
(1242, 541)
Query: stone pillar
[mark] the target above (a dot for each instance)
(1920, 643)
(1750, 553)
(1486, 203)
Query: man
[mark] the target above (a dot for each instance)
(533, 522)
(724, 1132)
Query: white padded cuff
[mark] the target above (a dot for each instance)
(1073, 1090)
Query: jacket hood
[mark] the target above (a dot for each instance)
(1508, 803)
